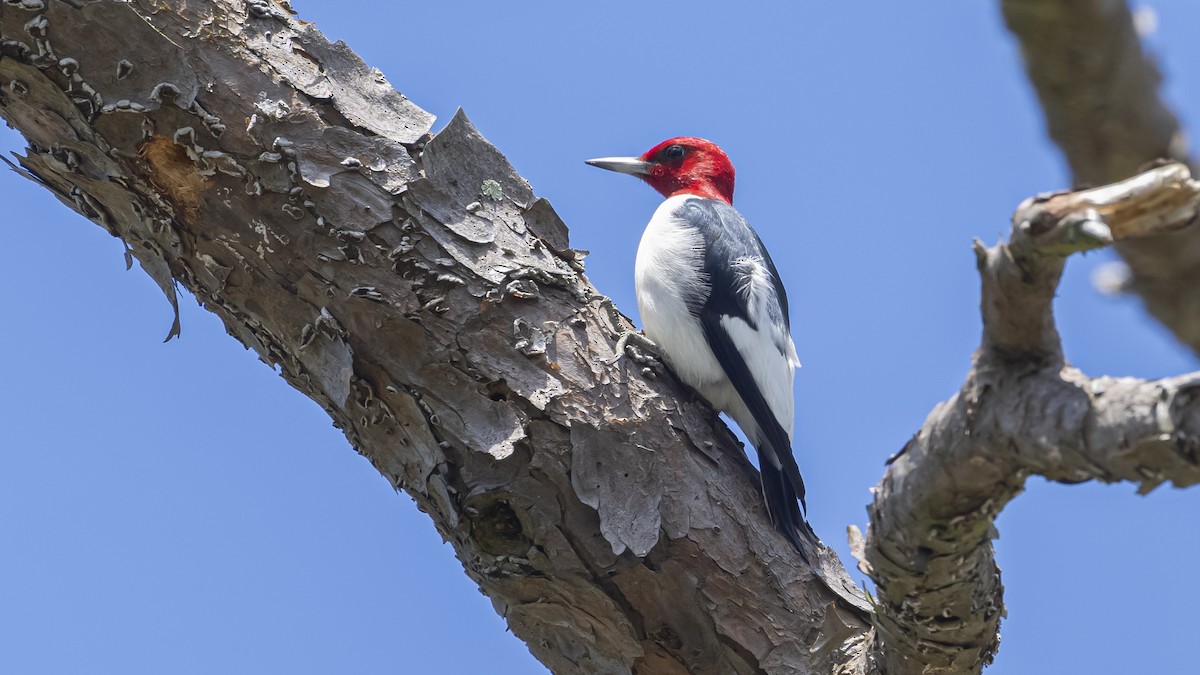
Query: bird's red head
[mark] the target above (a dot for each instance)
(688, 165)
(682, 165)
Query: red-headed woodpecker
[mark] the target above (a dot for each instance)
(711, 300)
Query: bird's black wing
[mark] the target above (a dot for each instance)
(750, 291)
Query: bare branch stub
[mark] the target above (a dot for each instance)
(1021, 411)
(1020, 278)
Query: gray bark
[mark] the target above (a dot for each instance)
(416, 288)
(1022, 411)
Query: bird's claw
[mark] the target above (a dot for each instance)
(633, 345)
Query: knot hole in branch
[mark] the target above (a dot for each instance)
(496, 527)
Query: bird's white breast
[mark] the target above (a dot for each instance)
(670, 268)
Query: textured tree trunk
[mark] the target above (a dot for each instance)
(417, 289)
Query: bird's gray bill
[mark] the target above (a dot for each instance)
(629, 165)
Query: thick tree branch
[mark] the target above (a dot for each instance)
(419, 291)
(1021, 412)
(1099, 90)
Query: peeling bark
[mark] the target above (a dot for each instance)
(416, 288)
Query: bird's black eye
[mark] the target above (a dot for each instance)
(674, 153)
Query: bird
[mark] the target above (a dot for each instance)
(714, 308)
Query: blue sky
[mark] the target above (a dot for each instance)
(178, 508)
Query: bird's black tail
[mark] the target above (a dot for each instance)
(784, 508)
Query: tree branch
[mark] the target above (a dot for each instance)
(1021, 412)
(418, 290)
(1099, 90)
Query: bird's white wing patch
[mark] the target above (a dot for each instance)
(771, 368)
(768, 350)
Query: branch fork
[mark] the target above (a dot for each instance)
(1021, 411)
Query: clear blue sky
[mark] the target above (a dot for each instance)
(179, 509)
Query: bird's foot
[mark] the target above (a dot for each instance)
(635, 346)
